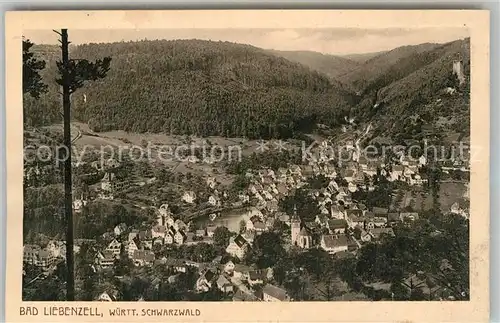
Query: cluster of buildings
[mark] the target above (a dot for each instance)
(236, 281)
(47, 256)
(138, 244)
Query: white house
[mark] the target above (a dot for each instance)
(211, 182)
(422, 161)
(131, 248)
(271, 293)
(119, 229)
(229, 267)
(189, 197)
(212, 200)
(115, 247)
(179, 237)
(237, 247)
(158, 231)
(396, 173)
(334, 243)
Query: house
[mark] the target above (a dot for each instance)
(177, 265)
(380, 211)
(169, 238)
(371, 170)
(115, 247)
(422, 161)
(354, 220)
(411, 216)
(237, 246)
(30, 254)
(349, 175)
(131, 248)
(78, 204)
(337, 226)
(379, 222)
(396, 173)
(224, 284)
(229, 267)
(56, 248)
(106, 297)
(211, 230)
(366, 236)
(158, 231)
(342, 193)
(143, 257)
(204, 282)
(255, 223)
(324, 210)
(282, 189)
(334, 243)
(179, 237)
(179, 225)
(119, 229)
(169, 222)
(212, 200)
(271, 293)
(285, 218)
(337, 211)
(249, 236)
(333, 186)
(241, 272)
(211, 182)
(378, 232)
(107, 182)
(200, 233)
(164, 211)
(158, 241)
(244, 198)
(105, 259)
(321, 219)
(189, 197)
(410, 170)
(45, 259)
(257, 277)
(417, 179)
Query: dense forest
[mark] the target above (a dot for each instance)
(201, 88)
(411, 86)
(206, 88)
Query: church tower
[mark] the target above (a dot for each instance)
(295, 226)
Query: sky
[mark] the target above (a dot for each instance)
(336, 41)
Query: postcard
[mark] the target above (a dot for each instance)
(247, 166)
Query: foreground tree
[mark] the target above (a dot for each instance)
(73, 75)
(32, 80)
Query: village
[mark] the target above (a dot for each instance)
(342, 225)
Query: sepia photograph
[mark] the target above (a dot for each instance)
(247, 164)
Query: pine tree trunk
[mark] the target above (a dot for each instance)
(68, 200)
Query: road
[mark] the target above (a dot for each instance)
(78, 135)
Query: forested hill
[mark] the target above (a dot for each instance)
(412, 93)
(330, 65)
(365, 75)
(202, 88)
